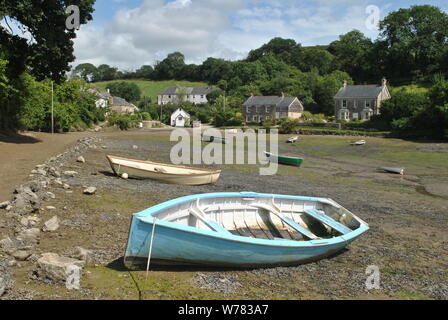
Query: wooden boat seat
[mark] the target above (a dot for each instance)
(198, 213)
(319, 215)
(286, 220)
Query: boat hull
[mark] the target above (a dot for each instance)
(207, 177)
(183, 245)
(291, 161)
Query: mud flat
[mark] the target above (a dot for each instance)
(408, 240)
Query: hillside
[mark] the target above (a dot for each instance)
(153, 88)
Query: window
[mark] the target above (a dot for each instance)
(268, 118)
(355, 116)
(267, 109)
(257, 109)
(248, 109)
(255, 118)
(367, 104)
(202, 97)
(344, 103)
(344, 114)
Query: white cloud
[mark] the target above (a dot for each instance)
(219, 28)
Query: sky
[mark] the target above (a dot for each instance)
(130, 33)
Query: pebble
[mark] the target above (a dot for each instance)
(90, 191)
(51, 225)
(81, 159)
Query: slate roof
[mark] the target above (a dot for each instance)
(117, 101)
(189, 91)
(363, 91)
(269, 100)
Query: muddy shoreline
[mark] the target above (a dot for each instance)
(407, 240)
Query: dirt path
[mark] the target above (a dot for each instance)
(21, 153)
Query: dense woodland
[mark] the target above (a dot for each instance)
(411, 50)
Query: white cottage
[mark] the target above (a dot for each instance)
(180, 118)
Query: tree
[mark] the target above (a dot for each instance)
(351, 55)
(286, 50)
(85, 71)
(171, 67)
(316, 58)
(51, 51)
(213, 70)
(105, 73)
(326, 88)
(126, 90)
(145, 72)
(413, 41)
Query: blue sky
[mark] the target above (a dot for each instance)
(130, 33)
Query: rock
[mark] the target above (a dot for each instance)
(5, 277)
(49, 196)
(10, 245)
(58, 181)
(5, 204)
(42, 172)
(56, 268)
(51, 225)
(81, 159)
(66, 186)
(50, 208)
(90, 191)
(32, 233)
(125, 176)
(21, 255)
(8, 208)
(134, 147)
(70, 173)
(84, 255)
(53, 172)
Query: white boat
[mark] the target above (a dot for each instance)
(214, 139)
(359, 143)
(293, 139)
(168, 173)
(393, 170)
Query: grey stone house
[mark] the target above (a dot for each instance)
(193, 95)
(120, 105)
(257, 109)
(360, 102)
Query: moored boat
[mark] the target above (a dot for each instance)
(240, 230)
(293, 139)
(359, 143)
(168, 173)
(393, 170)
(214, 139)
(292, 161)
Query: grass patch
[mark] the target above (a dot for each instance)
(410, 295)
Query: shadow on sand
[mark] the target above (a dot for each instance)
(17, 138)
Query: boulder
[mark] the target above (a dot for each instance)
(5, 204)
(90, 191)
(83, 255)
(32, 233)
(125, 176)
(55, 268)
(81, 159)
(70, 173)
(5, 277)
(51, 225)
(21, 255)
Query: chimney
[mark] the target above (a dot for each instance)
(282, 94)
(384, 81)
(251, 94)
(108, 90)
(345, 84)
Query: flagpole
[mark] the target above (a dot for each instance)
(52, 108)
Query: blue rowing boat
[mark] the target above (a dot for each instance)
(240, 230)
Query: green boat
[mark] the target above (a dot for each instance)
(292, 161)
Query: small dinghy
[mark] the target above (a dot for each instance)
(214, 139)
(168, 173)
(292, 161)
(393, 170)
(293, 139)
(240, 230)
(359, 143)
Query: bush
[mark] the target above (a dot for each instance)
(122, 121)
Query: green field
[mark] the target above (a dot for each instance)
(153, 88)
